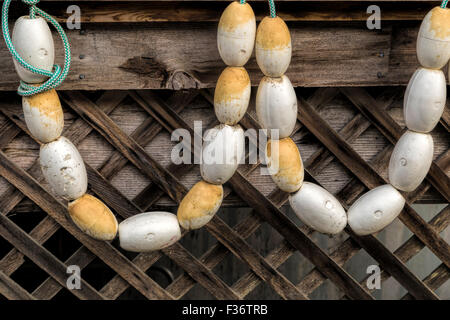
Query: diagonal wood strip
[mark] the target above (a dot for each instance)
(345, 153)
(143, 134)
(42, 257)
(47, 227)
(297, 238)
(392, 131)
(122, 142)
(434, 280)
(104, 250)
(367, 175)
(130, 149)
(11, 290)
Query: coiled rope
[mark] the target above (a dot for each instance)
(58, 75)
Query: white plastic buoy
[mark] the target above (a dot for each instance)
(318, 209)
(433, 41)
(273, 47)
(285, 164)
(425, 99)
(236, 34)
(374, 210)
(63, 168)
(33, 41)
(199, 205)
(276, 105)
(93, 217)
(149, 231)
(410, 160)
(223, 150)
(232, 95)
(43, 115)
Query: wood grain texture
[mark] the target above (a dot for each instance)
(142, 12)
(12, 290)
(183, 56)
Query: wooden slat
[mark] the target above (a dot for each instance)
(104, 250)
(42, 257)
(294, 235)
(12, 290)
(371, 179)
(140, 12)
(125, 144)
(78, 131)
(434, 280)
(142, 134)
(105, 126)
(186, 56)
(392, 131)
(47, 227)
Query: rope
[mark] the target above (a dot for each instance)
(242, 2)
(58, 75)
(273, 13)
(444, 4)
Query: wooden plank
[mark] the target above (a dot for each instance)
(47, 227)
(434, 280)
(142, 134)
(185, 56)
(42, 257)
(12, 290)
(392, 131)
(140, 12)
(369, 177)
(294, 235)
(104, 250)
(129, 148)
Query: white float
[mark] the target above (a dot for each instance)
(318, 209)
(374, 210)
(232, 95)
(33, 41)
(236, 34)
(43, 115)
(276, 105)
(273, 47)
(433, 41)
(63, 168)
(199, 205)
(149, 231)
(285, 164)
(223, 150)
(93, 217)
(410, 160)
(425, 99)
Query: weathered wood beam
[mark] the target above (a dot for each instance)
(182, 56)
(143, 12)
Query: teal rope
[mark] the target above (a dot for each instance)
(58, 75)
(242, 1)
(273, 13)
(444, 4)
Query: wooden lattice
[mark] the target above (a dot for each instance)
(93, 114)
